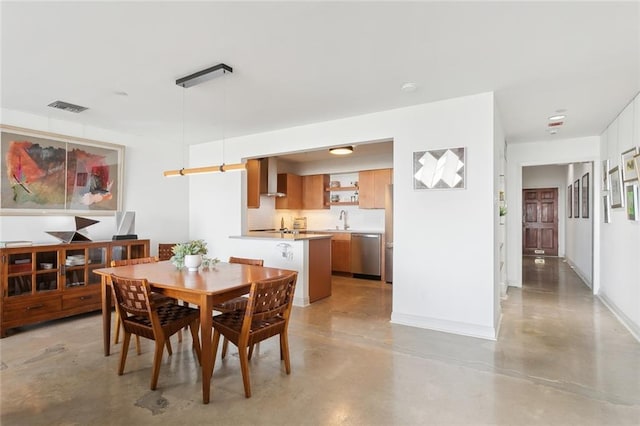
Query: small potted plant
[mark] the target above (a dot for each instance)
(189, 254)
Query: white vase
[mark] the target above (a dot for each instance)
(193, 261)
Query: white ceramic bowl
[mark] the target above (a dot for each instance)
(46, 265)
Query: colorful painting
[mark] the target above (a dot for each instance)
(50, 173)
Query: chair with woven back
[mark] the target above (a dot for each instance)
(159, 299)
(266, 315)
(142, 316)
(237, 303)
(165, 251)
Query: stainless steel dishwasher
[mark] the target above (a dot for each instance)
(365, 254)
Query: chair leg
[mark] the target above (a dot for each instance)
(251, 350)
(244, 366)
(117, 334)
(138, 348)
(214, 343)
(194, 326)
(167, 343)
(123, 354)
(225, 344)
(284, 350)
(157, 360)
(180, 336)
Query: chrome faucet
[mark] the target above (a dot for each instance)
(343, 216)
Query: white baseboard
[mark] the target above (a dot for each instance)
(579, 273)
(626, 321)
(301, 301)
(465, 329)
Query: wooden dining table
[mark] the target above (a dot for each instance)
(203, 288)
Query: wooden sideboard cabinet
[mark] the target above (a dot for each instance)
(45, 282)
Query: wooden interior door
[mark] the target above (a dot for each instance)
(540, 222)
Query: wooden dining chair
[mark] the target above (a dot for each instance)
(165, 251)
(266, 315)
(142, 316)
(237, 303)
(159, 299)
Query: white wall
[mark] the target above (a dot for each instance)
(553, 176)
(160, 204)
(444, 263)
(620, 239)
(553, 151)
(579, 230)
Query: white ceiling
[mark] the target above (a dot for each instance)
(303, 62)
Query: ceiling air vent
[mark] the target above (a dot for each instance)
(66, 106)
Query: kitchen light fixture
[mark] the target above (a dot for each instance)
(343, 150)
(556, 117)
(189, 81)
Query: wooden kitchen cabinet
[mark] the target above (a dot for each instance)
(372, 185)
(314, 194)
(291, 185)
(341, 252)
(256, 181)
(49, 281)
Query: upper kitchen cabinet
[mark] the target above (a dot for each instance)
(372, 184)
(292, 186)
(314, 195)
(256, 181)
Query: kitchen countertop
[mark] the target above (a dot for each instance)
(350, 231)
(275, 235)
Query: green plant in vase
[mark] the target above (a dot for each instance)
(180, 251)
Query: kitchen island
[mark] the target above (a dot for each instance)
(309, 254)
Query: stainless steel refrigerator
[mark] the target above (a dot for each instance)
(388, 233)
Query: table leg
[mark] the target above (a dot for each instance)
(106, 314)
(206, 312)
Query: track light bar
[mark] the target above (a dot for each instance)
(204, 75)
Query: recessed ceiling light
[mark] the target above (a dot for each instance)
(557, 117)
(561, 110)
(552, 131)
(120, 93)
(409, 87)
(343, 150)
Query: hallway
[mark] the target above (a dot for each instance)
(561, 358)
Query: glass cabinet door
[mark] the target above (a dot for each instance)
(97, 259)
(74, 268)
(20, 274)
(47, 269)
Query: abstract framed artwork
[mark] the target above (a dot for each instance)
(615, 182)
(605, 176)
(48, 173)
(631, 192)
(576, 198)
(439, 169)
(629, 171)
(585, 195)
(569, 201)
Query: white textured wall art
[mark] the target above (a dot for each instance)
(439, 169)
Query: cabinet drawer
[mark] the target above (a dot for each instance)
(341, 236)
(15, 310)
(73, 300)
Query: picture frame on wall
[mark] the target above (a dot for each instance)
(576, 198)
(636, 162)
(585, 195)
(47, 173)
(615, 183)
(629, 170)
(631, 192)
(570, 201)
(605, 176)
(606, 209)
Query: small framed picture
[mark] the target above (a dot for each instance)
(615, 182)
(605, 176)
(629, 170)
(576, 198)
(631, 191)
(606, 213)
(569, 201)
(585, 195)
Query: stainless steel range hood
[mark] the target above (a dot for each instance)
(269, 172)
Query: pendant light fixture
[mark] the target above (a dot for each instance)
(190, 81)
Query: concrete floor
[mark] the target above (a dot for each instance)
(561, 358)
